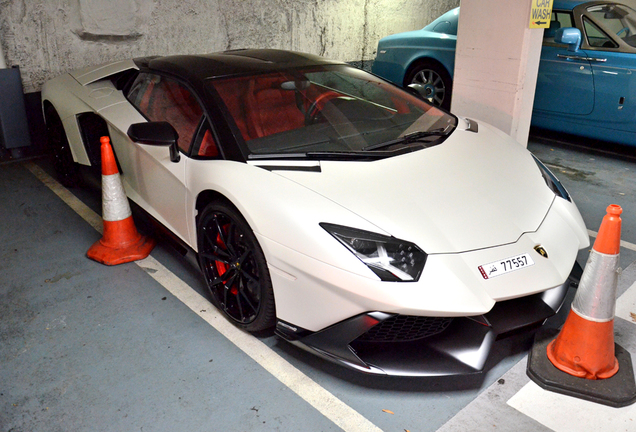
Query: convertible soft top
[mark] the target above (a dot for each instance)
(230, 63)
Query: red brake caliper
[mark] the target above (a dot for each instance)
(221, 267)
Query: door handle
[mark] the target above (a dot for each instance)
(573, 57)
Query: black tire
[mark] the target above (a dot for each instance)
(234, 268)
(438, 85)
(65, 167)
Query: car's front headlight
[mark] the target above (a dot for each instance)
(550, 179)
(391, 259)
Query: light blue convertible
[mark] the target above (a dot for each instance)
(587, 75)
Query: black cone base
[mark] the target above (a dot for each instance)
(617, 391)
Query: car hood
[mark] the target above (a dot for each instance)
(476, 190)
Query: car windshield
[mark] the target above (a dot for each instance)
(618, 19)
(333, 109)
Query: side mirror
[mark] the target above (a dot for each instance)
(157, 134)
(569, 36)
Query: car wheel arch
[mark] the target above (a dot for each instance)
(46, 105)
(205, 197)
(423, 59)
(49, 107)
(208, 196)
(64, 161)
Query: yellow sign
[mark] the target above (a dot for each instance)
(540, 13)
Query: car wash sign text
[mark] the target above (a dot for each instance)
(540, 13)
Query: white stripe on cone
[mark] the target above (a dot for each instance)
(114, 202)
(595, 299)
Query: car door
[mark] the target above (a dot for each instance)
(565, 83)
(158, 181)
(613, 68)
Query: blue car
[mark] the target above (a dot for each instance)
(586, 84)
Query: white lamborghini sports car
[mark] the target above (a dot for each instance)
(362, 223)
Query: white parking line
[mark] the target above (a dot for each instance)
(569, 414)
(325, 402)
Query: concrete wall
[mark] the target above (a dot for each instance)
(48, 37)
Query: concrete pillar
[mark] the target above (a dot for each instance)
(496, 64)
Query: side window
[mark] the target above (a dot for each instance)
(616, 19)
(206, 145)
(597, 37)
(564, 18)
(163, 99)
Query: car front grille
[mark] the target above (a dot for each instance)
(404, 328)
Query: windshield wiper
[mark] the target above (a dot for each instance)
(326, 155)
(411, 138)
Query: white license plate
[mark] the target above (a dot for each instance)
(501, 267)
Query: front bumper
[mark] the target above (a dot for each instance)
(390, 344)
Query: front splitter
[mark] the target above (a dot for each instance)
(462, 348)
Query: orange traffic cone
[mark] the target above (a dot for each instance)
(583, 360)
(585, 346)
(120, 243)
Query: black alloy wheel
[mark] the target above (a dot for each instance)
(435, 82)
(234, 268)
(65, 167)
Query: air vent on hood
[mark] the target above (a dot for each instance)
(291, 168)
(279, 165)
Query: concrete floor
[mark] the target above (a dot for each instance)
(136, 348)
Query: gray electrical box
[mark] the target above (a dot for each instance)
(14, 129)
